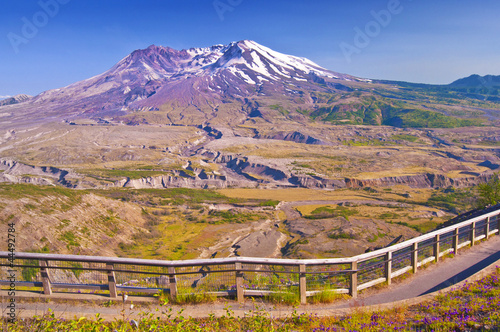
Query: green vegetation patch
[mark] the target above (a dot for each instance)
(351, 113)
(280, 109)
(230, 217)
(16, 191)
(272, 203)
(453, 200)
(405, 137)
(414, 118)
(370, 110)
(114, 174)
(171, 196)
(77, 268)
(339, 234)
(70, 239)
(325, 212)
(421, 228)
(29, 273)
(490, 191)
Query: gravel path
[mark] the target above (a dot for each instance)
(437, 276)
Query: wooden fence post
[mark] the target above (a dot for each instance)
(455, 240)
(414, 257)
(302, 284)
(388, 267)
(487, 228)
(353, 289)
(240, 292)
(111, 281)
(472, 233)
(172, 280)
(47, 289)
(436, 248)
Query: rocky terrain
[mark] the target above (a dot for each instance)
(355, 157)
(243, 115)
(67, 222)
(15, 100)
(112, 159)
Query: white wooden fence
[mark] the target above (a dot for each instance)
(241, 276)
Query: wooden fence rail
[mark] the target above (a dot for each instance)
(243, 276)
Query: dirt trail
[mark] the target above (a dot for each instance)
(291, 213)
(234, 237)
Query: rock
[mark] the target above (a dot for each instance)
(431, 214)
(427, 180)
(134, 324)
(295, 136)
(258, 244)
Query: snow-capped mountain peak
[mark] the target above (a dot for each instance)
(158, 75)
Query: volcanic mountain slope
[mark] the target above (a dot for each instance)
(15, 100)
(488, 81)
(238, 83)
(195, 84)
(244, 115)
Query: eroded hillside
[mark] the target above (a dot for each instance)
(188, 223)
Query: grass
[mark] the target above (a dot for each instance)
(178, 232)
(456, 201)
(17, 191)
(270, 202)
(405, 137)
(70, 239)
(166, 240)
(115, 174)
(324, 212)
(225, 217)
(179, 195)
(326, 296)
(390, 172)
(286, 296)
(292, 195)
(29, 273)
(342, 235)
(423, 227)
(186, 296)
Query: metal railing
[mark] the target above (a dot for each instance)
(242, 276)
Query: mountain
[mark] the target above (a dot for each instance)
(477, 81)
(193, 83)
(243, 115)
(15, 100)
(245, 82)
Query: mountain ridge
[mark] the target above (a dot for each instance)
(219, 73)
(243, 82)
(20, 98)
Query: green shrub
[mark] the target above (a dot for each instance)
(272, 203)
(342, 235)
(325, 212)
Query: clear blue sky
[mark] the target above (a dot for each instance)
(427, 41)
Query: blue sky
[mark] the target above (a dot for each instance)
(426, 41)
